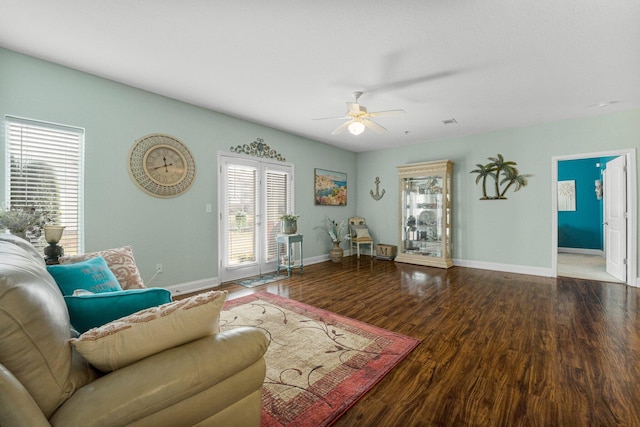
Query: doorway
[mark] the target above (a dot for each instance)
(591, 264)
(252, 194)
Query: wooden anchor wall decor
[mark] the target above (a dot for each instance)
(378, 195)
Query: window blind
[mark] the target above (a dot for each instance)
(278, 203)
(44, 171)
(241, 202)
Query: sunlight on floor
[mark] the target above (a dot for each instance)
(584, 267)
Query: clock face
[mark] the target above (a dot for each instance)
(161, 165)
(165, 165)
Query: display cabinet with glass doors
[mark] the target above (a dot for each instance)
(425, 213)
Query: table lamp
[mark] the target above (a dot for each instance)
(53, 234)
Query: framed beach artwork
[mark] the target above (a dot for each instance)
(567, 195)
(330, 188)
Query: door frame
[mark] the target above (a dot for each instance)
(264, 164)
(632, 205)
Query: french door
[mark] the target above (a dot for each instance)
(252, 196)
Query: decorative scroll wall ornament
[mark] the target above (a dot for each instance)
(504, 173)
(258, 149)
(378, 195)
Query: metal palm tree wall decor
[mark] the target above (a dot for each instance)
(505, 175)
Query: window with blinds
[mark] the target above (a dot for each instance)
(44, 164)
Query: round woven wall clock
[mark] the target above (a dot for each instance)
(161, 165)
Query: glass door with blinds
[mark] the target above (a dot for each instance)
(252, 196)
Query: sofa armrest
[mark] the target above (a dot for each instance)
(17, 407)
(164, 379)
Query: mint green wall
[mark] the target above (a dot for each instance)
(515, 231)
(176, 232)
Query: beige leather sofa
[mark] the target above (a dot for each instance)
(215, 380)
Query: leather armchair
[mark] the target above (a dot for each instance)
(215, 380)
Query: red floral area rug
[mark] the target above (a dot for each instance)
(318, 363)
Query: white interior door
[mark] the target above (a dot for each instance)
(615, 217)
(252, 196)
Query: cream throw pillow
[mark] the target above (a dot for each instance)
(361, 231)
(146, 332)
(120, 261)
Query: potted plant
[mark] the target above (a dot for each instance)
(334, 230)
(289, 223)
(241, 219)
(20, 221)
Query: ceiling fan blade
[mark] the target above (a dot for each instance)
(386, 113)
(404, 83)
(341, 127)
(334, 117)
(374, 126)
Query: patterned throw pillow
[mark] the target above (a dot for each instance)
(131, 338)
(119, 260)
(361, 231)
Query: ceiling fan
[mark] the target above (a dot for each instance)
(358, 118)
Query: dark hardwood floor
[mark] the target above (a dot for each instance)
(498, 349)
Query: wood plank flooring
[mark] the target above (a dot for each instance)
(498, 349)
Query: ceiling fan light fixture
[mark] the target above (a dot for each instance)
(356, 127)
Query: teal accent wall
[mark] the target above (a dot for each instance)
(178, 232)
(582, 228)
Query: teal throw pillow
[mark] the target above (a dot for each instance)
(88, 311)
(93, 275)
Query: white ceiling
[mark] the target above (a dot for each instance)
(490, 64)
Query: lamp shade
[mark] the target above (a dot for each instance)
(53, 233)
(356, 128)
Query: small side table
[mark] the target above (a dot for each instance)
(288, 260)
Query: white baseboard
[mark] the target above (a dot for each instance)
(190, 287)
(507, 268)
(520, 269)
(316, 259)
(203, 284)
(581, 251)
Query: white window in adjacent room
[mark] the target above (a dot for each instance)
(44, 166)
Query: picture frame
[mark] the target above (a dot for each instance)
(567, 195)
(330, 188)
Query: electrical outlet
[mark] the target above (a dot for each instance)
(158, 268)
